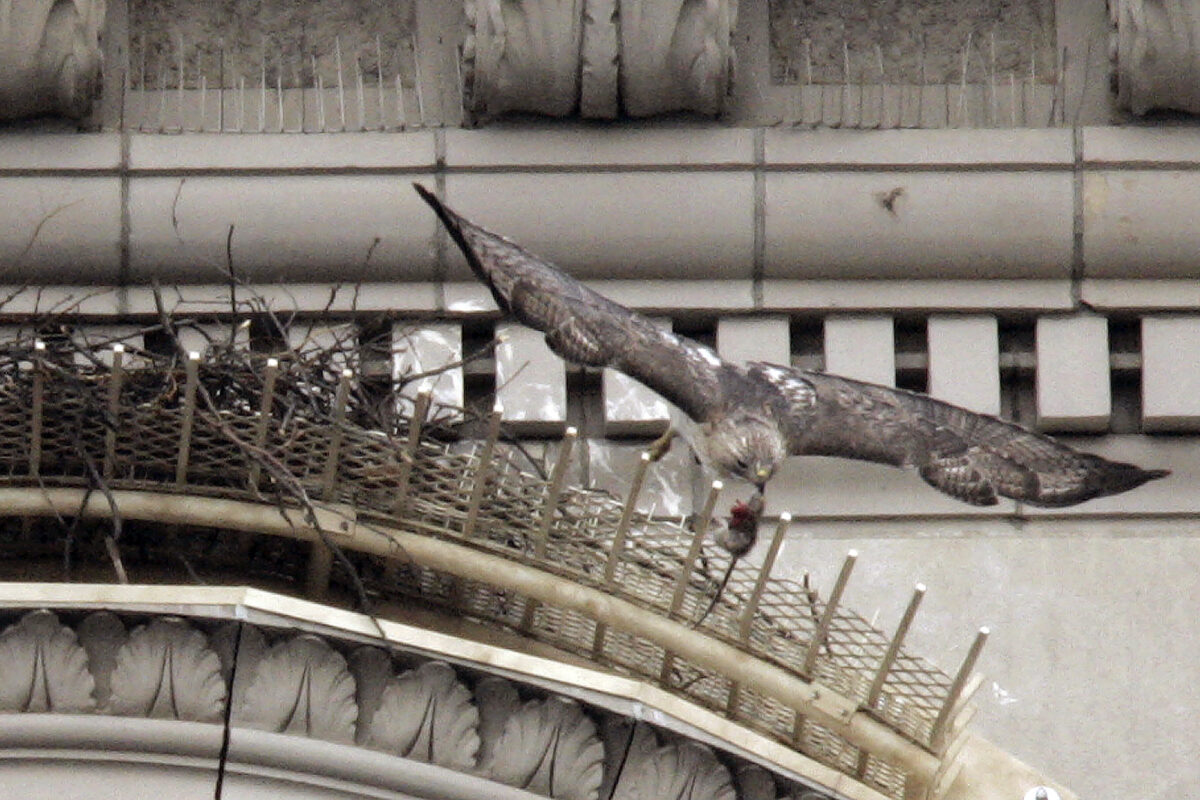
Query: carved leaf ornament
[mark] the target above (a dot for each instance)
(167, 670)
(300, 685)
(427, 715)
(599, 58)
(551, 748)
(43, 667)
(677, 771)
(49, 56)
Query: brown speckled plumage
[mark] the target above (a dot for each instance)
(752, 416)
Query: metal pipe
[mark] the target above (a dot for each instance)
(557, 477)
(411, 446)
(937, 736)
(549, 506)
(336, 436)
(893, 649)
(115, 380)
(483, 471)
(192, 379)
(750, 608)
(265, 407)
(835, 597)
(36, 410)
(701, 528)
(617, 547)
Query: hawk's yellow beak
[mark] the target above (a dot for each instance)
(763, 473)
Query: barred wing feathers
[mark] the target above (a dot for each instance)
(584, 327)
(973, 457)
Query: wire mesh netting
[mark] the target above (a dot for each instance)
(292, 431)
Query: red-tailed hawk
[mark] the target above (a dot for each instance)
(749, 417)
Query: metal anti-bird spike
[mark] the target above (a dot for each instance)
(749, 417)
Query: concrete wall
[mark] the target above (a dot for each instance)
(1091, 664)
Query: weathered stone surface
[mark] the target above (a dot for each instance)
(49, 57)
(167, 670)
(302, 686)
(427, 715)
(549, 747)
(1157, 60)
(599, 58)
(43, 668)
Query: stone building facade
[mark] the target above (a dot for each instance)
(995, 209)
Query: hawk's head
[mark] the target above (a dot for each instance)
(746, 445)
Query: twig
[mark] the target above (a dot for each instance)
(284, 479)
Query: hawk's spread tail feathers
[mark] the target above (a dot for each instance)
(460, 229)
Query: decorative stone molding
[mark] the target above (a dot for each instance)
(676, 55)
(177, 669)
(49, 57)
(167, 670)
(1157, 54)
(599, 58)
(301, 686)
(427, 715)
(43, 667)
(677, 771)
(551, 748)
(524, 56)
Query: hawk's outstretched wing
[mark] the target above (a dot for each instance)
(973, 457)
(970, 456)
(584, 327)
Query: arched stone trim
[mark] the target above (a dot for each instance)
(1156, 53)
(550, 747)
(301, 684)
(679, 770)
(428, 715)
(49, 57)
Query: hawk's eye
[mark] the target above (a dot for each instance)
(742, 464)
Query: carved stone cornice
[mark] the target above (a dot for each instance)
(525, 56)
(300, 684)
(1157, 53)
(676, 55)
(49, 57)
(599, 58)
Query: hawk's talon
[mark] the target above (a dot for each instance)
(660, 446)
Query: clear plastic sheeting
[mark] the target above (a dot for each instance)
(632, 409)
(427, 358)
(667, 487)
(531, 382)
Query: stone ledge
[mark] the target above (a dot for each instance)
(287, 151)
(603, 148)
(268, 748)
(60, 151)
(928, 149)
